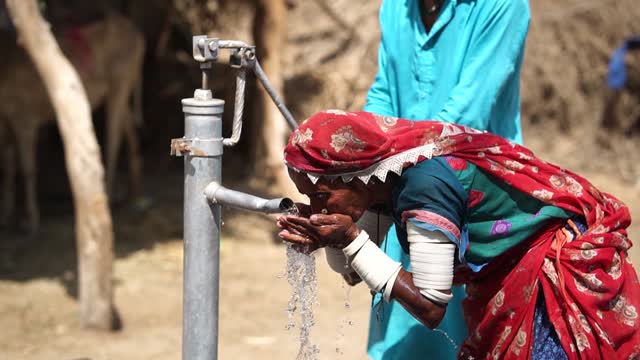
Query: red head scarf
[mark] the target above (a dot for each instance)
(336, 142)
(333, 143)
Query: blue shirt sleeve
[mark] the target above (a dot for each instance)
(495, 53)
(430, 195)
(378, 97)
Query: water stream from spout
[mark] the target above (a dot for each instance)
(301, 275)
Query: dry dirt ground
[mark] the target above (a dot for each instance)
(38, 309)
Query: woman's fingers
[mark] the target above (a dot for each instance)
(295, 238)
(319, 220)
(316, 220)
(323, 230)
(302, 224)
(296, 219)
(296, 227)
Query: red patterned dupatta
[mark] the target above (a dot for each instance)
(590, 288)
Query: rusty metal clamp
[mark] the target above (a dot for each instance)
(196, 147)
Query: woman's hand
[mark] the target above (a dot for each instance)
(335, 230)
(304, 210)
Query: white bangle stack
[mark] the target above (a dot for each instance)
(432, 256)
(373, 266)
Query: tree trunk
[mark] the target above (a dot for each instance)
(270, 34)
(94, 233)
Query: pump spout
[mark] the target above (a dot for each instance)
(218, 194)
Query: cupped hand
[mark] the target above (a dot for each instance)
(304, 210)
(334, 230)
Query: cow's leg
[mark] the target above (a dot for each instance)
(8, 180)
(135, 158)
(122, 120)
(134, 86)
(26, 139)
(116, 114)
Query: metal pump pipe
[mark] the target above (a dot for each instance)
(262, 77)
(202, 151)
(202, 148)
(218, 194)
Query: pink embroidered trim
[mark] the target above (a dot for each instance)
(433, 219)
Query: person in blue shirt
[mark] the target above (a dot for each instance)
(456, 61)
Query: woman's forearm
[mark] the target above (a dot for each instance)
(409, 296)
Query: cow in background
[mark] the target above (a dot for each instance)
(108, 55)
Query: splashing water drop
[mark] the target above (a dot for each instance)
(453, 343)
(340, 334)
